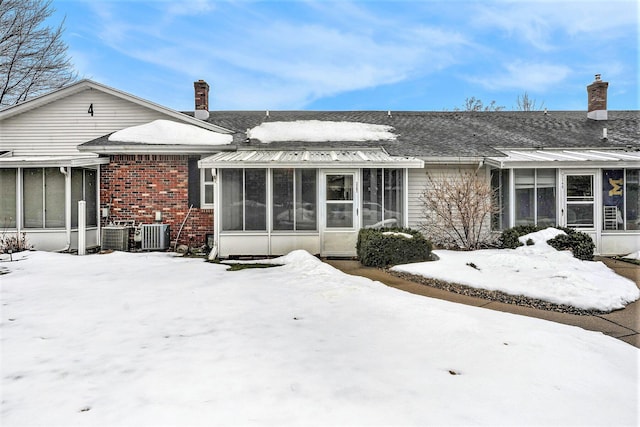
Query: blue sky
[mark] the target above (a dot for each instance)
(357, 55)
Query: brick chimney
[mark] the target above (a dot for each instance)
(201, 89)
(597, 99)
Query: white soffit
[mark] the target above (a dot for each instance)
(51, 161)
(565, 158)
(310, 159)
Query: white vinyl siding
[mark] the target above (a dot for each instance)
(59, 127)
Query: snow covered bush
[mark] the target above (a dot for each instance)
(580, 244)
(13, 243)
(509, 239)
(391, 246)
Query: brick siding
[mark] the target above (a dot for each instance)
(135, 187)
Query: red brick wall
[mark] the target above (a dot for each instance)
(134, 187)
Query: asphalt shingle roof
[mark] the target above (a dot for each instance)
(455, 134)
(446, 134)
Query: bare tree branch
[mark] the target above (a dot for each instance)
(33, 57)
(525, 103)
(457, 209)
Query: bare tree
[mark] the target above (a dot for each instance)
(457, 209)
(524, 103)
(33, 57)
(475, 104)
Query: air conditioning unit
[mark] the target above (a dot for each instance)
(154, 237)
(114, 237)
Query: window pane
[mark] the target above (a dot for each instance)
(306, 204)
(500, 189)
(32, 203)
(77, 193)
(393, 203)
(613, 199)
(232, 199)
(632, 188)
(580, 215)
(339, 215)
(54, 198)
(255, 199)
(339, 187)
(7, 198)
(580, 187)
(525, 193)
(371, 196)
(546, 197)
(91, 196)
(208, 193)
(283, 209)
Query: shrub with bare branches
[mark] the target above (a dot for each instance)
(457, 209)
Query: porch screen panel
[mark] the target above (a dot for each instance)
(371, 196)
(546, 197)
(283, 204)
(33, 193)
(7, 198)
(393, 201)
(77, 194)
(232, 199)
(306, 199)
(500, 190)
(255, 206)
(632, 189)
(91, 196)
(54, 198)
(525, 196)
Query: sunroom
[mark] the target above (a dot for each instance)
(39, 198)
(594, 191)
(270, 202)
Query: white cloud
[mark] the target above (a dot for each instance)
(540, 23)
(521, 75)
(305, 61)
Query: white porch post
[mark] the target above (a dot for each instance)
(82, 227)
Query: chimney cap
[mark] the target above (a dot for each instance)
(598, 77)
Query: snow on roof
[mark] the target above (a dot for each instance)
(170, 132)
(320, 131)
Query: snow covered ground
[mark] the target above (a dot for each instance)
(153, 339)
(537, 271)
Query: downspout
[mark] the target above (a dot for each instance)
(67, 207)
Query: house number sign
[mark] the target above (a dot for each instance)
(90, 110)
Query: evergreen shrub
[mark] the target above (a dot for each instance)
(579, 243)
(376, 249)
(509, 237)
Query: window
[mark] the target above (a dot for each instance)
(339, 200)
(207, 180)
(294, 199)
(7, 198)
(620, 199)
(44, 196)
(84, 187)
(382, 197)
(535, 197)
(244, 194)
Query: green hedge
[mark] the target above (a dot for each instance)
(375, 249)
(579, 243)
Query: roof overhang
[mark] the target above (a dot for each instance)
(153, 149)
(50, 161)
(524, 159)
(329, 159)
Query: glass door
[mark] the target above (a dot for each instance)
(339, 200)
(339, 221)
(579, 200)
